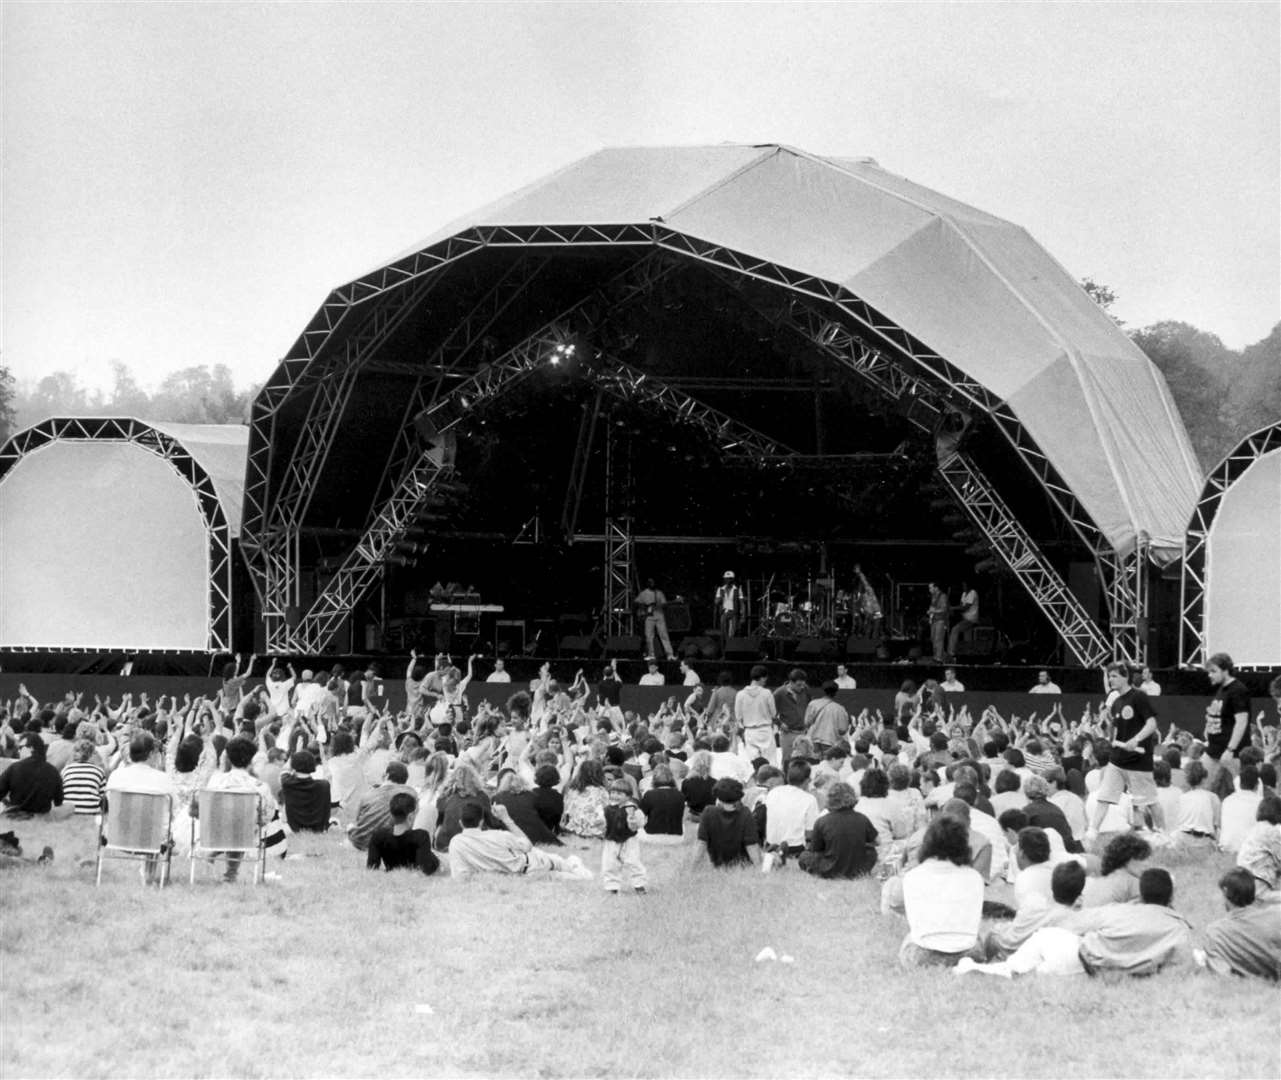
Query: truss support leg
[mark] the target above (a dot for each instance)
(1019, 552)
(578, 469)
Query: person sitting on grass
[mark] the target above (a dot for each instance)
(306, 799)
(374, 810)
(942, 898)
(790, 813)
(521, 803)
(505, 850)
(1136, 939)
(30, 785)
(1247, 940)
(842, 843)
(727, 834)
(1261, 850)
(1199, 811)
(83, 780)
(1124, 860)
(1033, 883)
(663, 807)
(397, 846)
(1066, 883)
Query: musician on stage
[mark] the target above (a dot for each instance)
(938, 622)
(650, 603)
(729, 606)
(969, 609)
(867, 608)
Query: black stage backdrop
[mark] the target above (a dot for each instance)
(1187, 712)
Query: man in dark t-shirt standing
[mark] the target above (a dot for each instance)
(1129, 766)
(1227, 718)
(727, 831)
(790, 702)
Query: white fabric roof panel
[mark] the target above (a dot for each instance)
(975, 289)
(222, 450)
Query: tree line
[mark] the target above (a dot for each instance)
(1222, 394)
(191, 395)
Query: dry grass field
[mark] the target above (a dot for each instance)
(333, 971)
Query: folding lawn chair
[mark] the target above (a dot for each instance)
(228, 823)
(136, 825)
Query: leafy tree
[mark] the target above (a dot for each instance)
(127, 397)
(58, 394)
(1103, 296)
(8, 411)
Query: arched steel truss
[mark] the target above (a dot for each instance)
(128, 430)
(1196, 541)
(842, 326)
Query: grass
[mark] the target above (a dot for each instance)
(327, 973)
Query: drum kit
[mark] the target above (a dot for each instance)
(812, 608)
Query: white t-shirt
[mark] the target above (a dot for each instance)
(953, 686)
(1151, 688)
(943, 903)
(1045, 688)
(691, 678)
(652, 678)
(730, 764)
(1237, 817)
(278, 695)
(790, 812)
(845, 682)
(1197, 811)
(498, 677)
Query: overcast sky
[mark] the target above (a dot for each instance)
(183, 183)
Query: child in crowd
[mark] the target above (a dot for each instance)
(620, 854)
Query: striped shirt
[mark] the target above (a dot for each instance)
(83, 783)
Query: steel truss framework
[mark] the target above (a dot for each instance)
(417, 472)
(826, 313)
(1196, 542)
(128, 430)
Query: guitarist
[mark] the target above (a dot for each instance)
(650, 603)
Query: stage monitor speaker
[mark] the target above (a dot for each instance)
(980, 642)
(578, 645)
(678, 620)
(623, 645)
(860, 646)
(743, 646)
(812, 646)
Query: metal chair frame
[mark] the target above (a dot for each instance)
(238, 833)
(116, 841)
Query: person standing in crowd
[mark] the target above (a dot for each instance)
(951, 684)
(937, 615)
(651, 602)
(1129, 767)
(969, 609)
(756, 713)
(729, 606)
(1227, 718)
(620, 853)
(500, 673)
(827, 721)
(790, 702)
(844, 680)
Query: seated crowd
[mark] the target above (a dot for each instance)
(1010, 846)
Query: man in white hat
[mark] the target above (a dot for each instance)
(729, 602)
